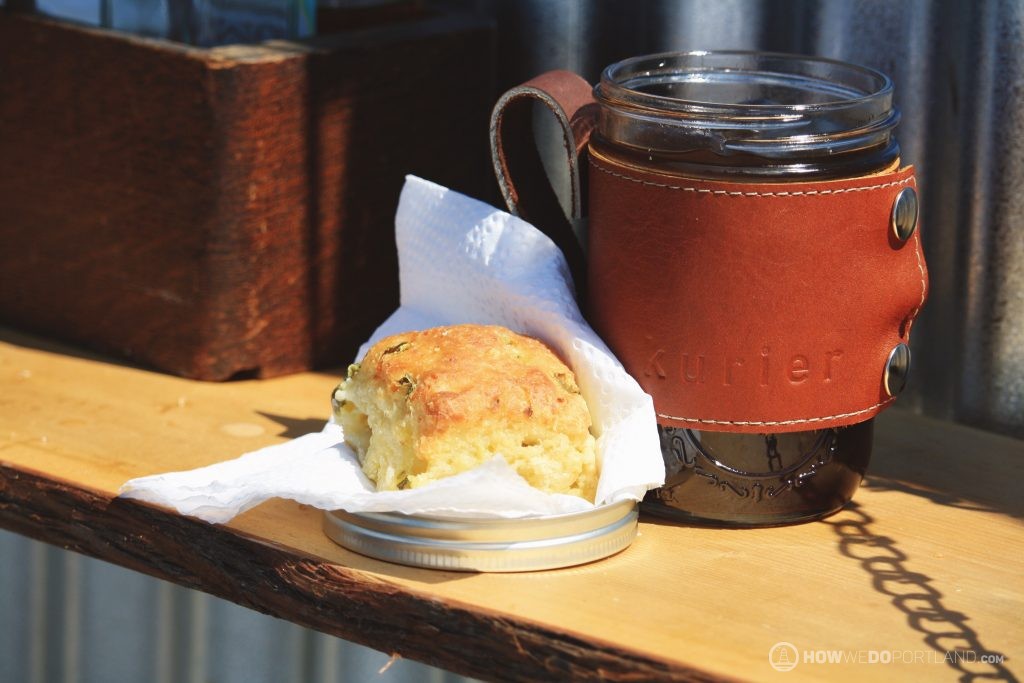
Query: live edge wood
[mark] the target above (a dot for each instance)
(309, 590)
(929, 559)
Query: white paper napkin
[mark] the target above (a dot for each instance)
(460, 261)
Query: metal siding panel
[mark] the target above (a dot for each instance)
(703, 25)
(992, 381)
(537, 35)
(52, 580)
(359, 663)
(38, 614)
(325, 662)
(163, 655)
(64, 617)
(198, 606)
(249, 647)
(71, 624)
(938, 147)
(15, 607)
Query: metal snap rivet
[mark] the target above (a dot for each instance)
(897, 368)
(904, 214)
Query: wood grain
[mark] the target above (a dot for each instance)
(224, 212)
(928, 559)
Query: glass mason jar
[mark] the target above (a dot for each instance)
(750, 117)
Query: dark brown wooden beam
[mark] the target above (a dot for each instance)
(311, 591)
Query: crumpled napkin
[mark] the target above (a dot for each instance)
(460, 261)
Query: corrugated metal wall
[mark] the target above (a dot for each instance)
(65, 618)
(959, 73)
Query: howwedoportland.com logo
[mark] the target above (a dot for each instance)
(783, 656)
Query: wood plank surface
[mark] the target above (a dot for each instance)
(928, 560)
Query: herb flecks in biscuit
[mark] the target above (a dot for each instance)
(426, 405)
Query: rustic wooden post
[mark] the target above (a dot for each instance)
(21, 5)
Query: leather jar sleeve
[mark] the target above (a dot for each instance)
(753, 307)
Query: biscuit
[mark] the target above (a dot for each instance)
(426, 405)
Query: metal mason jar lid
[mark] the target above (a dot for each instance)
(487, 545)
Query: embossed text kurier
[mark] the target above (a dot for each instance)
(759, 311)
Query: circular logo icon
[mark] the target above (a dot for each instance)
(783, 656)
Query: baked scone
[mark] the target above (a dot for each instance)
(426, 405)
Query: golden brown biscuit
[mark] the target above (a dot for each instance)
(426, 405)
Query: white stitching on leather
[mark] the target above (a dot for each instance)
(924, 285)
(783, 194)
(752, 423)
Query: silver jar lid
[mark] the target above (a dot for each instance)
(487, 545)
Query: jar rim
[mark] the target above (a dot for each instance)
(771, 104)
(612, 86)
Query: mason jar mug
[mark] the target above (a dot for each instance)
(745, 240)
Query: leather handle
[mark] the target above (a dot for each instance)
(518, 166)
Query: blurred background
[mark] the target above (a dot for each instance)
(958, 69)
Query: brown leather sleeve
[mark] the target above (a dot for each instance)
(752, 307)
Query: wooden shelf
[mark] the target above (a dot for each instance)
(929, 558)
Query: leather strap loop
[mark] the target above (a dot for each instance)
(518, 166)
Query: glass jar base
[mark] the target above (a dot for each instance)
(727, 479)
(732, 521)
